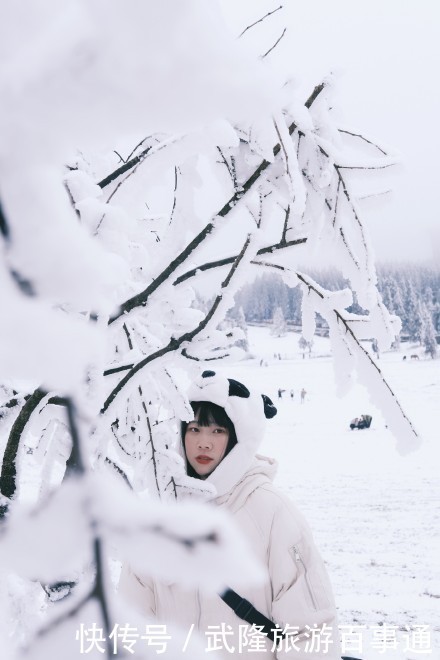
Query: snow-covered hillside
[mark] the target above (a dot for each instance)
(374, 513)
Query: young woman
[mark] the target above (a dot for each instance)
(220, 446)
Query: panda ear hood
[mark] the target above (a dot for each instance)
(247, 410)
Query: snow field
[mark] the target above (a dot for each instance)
(375, 514)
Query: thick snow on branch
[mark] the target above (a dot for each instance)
(346, 331)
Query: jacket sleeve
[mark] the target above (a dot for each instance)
(138, 592)
(302, 597)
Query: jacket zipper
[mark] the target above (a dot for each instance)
(300, 560)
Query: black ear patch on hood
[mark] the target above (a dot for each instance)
(269, 409)
(208, 374)
(238, 389)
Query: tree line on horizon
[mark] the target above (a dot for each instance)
(410, 292)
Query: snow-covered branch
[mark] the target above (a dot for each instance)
(142, 298)
(368, 370)
(175, 343)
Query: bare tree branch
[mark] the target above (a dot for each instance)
(115, 370)
(228, 260)
(175, 197)
(119, 470)
(210, 359)
(260, 20)
(283, 241)
(124, 168)
(336, 203)
(151, 441)
(275, 44)
(358, 135)
(365, 167)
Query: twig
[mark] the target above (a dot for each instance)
(275, 44)
(353, 209)
(210, 359)
(122, 160)
(139, 144)
(116, 370)
(174, 198)
(228, 260)
(260, 20)
(119, 470)
(358, 135)
(365, 167)
(174, 486)
(283, 241)
(124, 168)
(127, 333)
(231, 168)
(150, 433)
(336, 202)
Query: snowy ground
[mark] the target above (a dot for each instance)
(375, 514)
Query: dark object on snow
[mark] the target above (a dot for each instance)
(362, 422)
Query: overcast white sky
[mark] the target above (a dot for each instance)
(387, 56)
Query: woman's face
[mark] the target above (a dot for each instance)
(205, 446)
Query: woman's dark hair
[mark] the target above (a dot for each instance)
(207, 413)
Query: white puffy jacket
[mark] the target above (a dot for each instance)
(297, 592)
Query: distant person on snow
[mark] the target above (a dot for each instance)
(280, 393)
(292, 394)
(303, 395)
(219, 445)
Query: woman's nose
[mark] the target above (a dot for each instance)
(204, 440)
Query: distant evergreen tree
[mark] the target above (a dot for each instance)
(305, 345)
(412, 319)
(396, 294)
(428, 298)
(279, 325)
(240, 322)
(429, 336)
(436, 316)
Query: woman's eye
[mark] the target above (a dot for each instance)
(219, 430)
(193, 429)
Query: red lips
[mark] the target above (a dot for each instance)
(203, 460)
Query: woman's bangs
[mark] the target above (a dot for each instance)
(207, 413)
